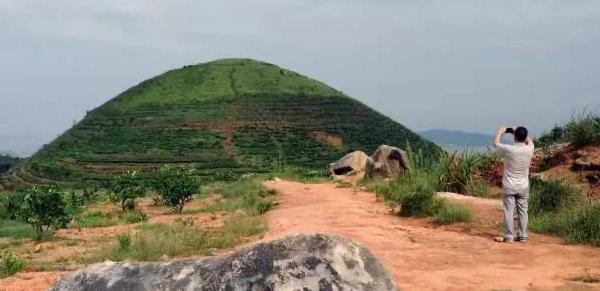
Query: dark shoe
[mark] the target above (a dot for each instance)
(521, 239)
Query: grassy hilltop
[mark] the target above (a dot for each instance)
(225, 117)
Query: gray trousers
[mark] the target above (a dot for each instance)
(512, 202)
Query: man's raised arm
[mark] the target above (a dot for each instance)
(499, 134)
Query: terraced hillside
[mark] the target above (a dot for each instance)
(225, 117)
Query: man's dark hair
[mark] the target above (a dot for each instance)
(521, 134)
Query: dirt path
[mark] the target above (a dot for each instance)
(421, 257)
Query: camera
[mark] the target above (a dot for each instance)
(510, 130)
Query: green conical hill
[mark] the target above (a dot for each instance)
(227, 116)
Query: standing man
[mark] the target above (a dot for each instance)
(515, 181)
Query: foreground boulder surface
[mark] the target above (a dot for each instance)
(386, 162)
(303, 262)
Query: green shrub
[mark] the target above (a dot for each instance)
(176, 186)
(11, 264)
(451, 213)
(133, 216)
(552, 196)
(124, 189)
(44, 208)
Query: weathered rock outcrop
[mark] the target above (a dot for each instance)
(304, 262)
(353, 162)
(386, 162)
(588, 160)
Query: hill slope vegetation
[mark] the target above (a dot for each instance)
(226, 117)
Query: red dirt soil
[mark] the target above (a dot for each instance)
(418, 255)
(422, 257)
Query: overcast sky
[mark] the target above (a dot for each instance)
(468, 65)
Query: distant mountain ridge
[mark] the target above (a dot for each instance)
(457, 139)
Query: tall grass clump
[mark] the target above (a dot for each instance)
(584, 129)
(584, 225)
(552, 196)
(465, 172)
(559, 208)
(415, 193)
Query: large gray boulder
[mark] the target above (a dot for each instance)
(351, 163)
(386, 162)
(303, 262)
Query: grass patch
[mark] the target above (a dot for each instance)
(154, 242)
(450, 213)
(300, 174)
(249, 195)
(95, 219)
(16, 230)
(11, 264)
(133, 216)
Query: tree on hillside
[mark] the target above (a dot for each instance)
(7, 162)
(124, 189)
(44, 208)
(176, 186)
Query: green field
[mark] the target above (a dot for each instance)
(226, 117)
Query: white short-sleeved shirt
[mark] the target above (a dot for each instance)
(517, 159)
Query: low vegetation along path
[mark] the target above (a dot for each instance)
(422, 257)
